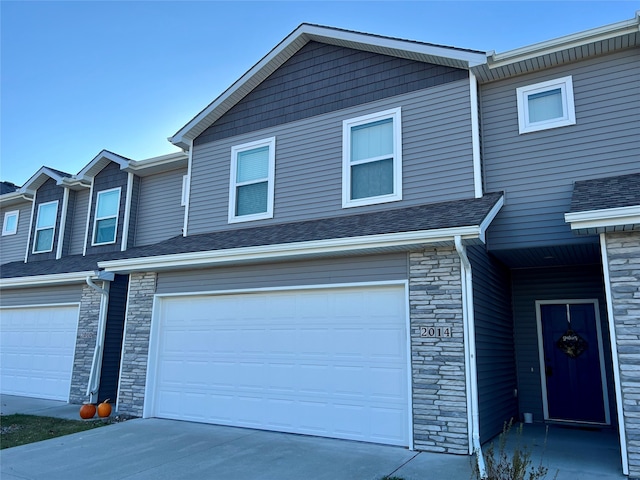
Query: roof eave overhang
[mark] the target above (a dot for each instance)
(569, 48)
(610, 219)
(155, 165)
(296, 250)
(294, 42)
(99, 162)
(38, 179)
(14, 198)
(46, 280)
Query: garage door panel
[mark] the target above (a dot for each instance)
(37, 345)
(320, 362)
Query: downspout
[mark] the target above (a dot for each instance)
(94, 374)
(470, 353)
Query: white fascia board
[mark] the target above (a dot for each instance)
(15, 197)
(34, 182)
(157, 164)
(609, 217)
(297, 249)
(74, 183)
(43, 280)
(466, 58)
(489, 218)
(296, 40)
(606, 32)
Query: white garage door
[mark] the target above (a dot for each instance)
(326, 362)
(36, 351)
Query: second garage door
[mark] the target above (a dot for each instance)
(37, 345)
(326, 362)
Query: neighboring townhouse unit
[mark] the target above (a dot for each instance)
(61, 333)
(377, 239)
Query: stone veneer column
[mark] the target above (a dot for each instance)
(623, 254)
(135, 348)
(438, 364)
(85, 344)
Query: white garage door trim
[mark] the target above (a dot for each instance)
(61, 390)
(153, 357)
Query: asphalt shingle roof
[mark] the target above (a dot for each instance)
(434, 216)
(604, 193)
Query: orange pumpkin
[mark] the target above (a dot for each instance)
(88, 410)
(104, 409)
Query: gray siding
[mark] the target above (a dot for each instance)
(560, 283)
(537, 169)
(49, 191)
(13, 247)
(41, 295)
(160, 215)
(109, 177)
(133, 215)
(77, 222)
(437, 161)
(321, 78)
(68, 229)
(497, 379)
(311, 272)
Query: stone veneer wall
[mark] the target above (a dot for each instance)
(438, 364)
(623, 254)
(85, 343)
(135, 348)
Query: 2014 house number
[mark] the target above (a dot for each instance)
(435, 332)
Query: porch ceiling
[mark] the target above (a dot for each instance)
(551, 256)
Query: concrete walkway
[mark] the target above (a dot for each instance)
(165, 449)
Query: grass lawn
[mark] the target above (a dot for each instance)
(22, 429)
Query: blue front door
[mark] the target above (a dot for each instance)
(572, 363)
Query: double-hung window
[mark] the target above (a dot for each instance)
(10, 223)
(546, 105)
(45, 227)
(252, 181)
(105, 225)
(372, 159)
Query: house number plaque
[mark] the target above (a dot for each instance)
(435, 332)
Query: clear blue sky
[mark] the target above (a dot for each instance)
(81, 76)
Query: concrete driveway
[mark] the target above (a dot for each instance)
(166, 449)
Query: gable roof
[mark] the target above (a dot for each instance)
(305, 33)
(605, 204)
(41, 176)
(100, 161)
(569, 48)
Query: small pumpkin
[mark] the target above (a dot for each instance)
(88, 410)
(104, 409)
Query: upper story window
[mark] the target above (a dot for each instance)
(45, 227)
(106, 219)
(10, 223)
(252, 181)
(372, 159)
(546, 105)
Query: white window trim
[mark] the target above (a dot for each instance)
(568, 107)
(53, 237)
(185, 190)
(395, 114)
(267, 142)
(7, 216)
(96, 218)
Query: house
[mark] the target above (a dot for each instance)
(380, 240)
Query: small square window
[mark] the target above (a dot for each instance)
(372, 159)
(546, 105)
(105, 224)
(252, 181)
(10, 224)
(45, 227)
